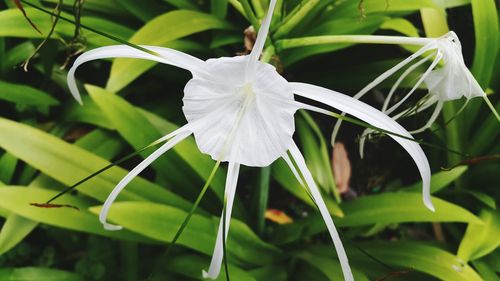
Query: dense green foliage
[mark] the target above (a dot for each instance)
(48, 142)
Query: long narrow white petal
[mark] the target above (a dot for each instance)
(400, 79)
(430, 101)
(431, 120)
(180, 135)
(167, 56)
(431, 45)
(439, 56)
(315, 193)
(292, 168)
(260, 41)
(362, 142)
(376, 118)
(215, 264)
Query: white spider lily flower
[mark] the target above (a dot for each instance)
(451, 81)
(241, 111)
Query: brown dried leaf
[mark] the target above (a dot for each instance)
(341, 167)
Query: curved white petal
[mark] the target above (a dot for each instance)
(401, 78)
(429, 46)
(165, 55)
(230, 191)
(366, 133)
(260, 41)
(316, 196)
(293, 169)
(179, 135)
(376, 118)
(439, 56)
(430, 100)
(431, 120)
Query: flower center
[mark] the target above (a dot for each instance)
(248, 122)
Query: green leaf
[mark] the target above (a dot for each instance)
(486, 271)
(89, 114)
(399, 207)
(351, 8)
(387, 208)
(161, 222)
(219, 8)
(481, 239)
(173, 25)
(400, 25)
(68, 164)
(183, 4)
(25, 95)
(315, 150)
(284, 176)
(37, 274)
(8, 165)
(411, 255)
(143, 10)
(15, 25)
(273, 272)
(487, 34)
(483, 197)
(106, 7)
(192, 266)
(17, 200)
(17, 55)
(439, 180)
(135, 127)
(14, 230)
(334, 27)
(328, 267)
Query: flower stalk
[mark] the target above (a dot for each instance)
(284, 44)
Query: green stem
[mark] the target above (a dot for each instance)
(492, 108)
(186, 220)
(258, 7)
(452, 131)
(237, 5)
(295, 17)
(356, 39)
(193, 208)
(261, 197)
(250, 14)
(103, 169)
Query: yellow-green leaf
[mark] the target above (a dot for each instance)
(160, 31)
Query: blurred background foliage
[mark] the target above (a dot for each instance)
(49, 142)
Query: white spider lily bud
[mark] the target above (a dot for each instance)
(453, 80)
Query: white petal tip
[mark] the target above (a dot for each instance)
(79, 100)
(112, 227)
(429, 205)
(206, 275)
